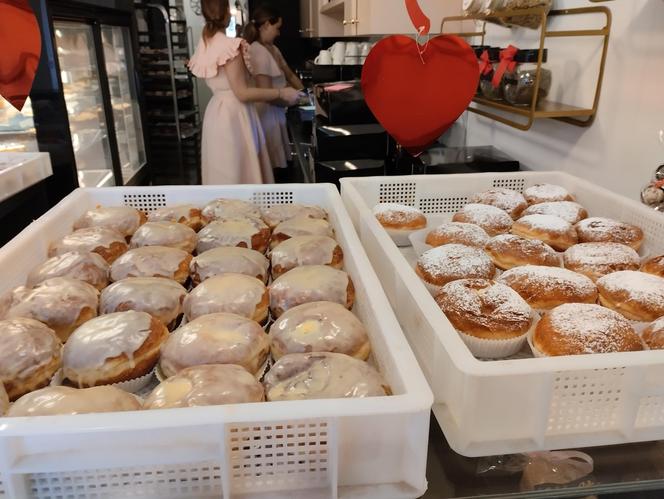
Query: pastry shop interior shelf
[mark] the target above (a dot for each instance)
(329, 446)
(523, 117)
(514, 405)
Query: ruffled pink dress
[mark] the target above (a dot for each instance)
(273, 118)
(234, 149)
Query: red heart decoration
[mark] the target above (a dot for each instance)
(20, 40)
(418, 94)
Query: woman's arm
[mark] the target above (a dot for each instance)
(235, 70)
(291, 77)
(264, 81)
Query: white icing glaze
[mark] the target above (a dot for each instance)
(86, 266)
(87, 240)
(124, 219)
(170, 234)
(160, 297)
(569, 211)
(307, 284)
(230, 259)
(215, 339)
(232, 293)
(318, 327)
(392, 214)
(322, 375)
(230, 208)
(57, 302)
(177, 213)
(540, 193)
(304, 250)
(148, 261)
(25, 346)
(213, 384)
(106, 337)
(229, 232)
(304, 226)
(54, 400)
(279, 213)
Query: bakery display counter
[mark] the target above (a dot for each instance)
(18, 171)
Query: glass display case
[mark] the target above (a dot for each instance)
(17, 129)
(79, 72)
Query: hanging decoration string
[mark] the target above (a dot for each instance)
(421, 49)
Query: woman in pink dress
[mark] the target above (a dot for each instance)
(270, 70)
(233, 149)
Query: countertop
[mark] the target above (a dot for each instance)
(20, 170)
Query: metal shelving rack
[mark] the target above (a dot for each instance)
(174, 127)
(579, 116)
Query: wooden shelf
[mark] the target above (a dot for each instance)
(335, 8)
(545, 109)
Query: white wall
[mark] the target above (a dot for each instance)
(626, 143)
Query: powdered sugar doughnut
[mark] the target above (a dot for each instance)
(542, 193)
(607, 230)
(507, 200)
(569, 211)
(654, 265)
(459, 233)
(450, 262)
(653, 334)
(637, 295)
(599, 259)
(508, 250)
(493, 220)
(550, 229)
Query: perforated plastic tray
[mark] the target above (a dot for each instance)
(373, 447)
(512, 405)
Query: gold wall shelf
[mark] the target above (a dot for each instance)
(578, 116)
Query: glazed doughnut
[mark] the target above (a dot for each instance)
(547, 287)
(550, 229)
(169, 234)
(320, 326)
(221, 209)
(578, 328)
(507, 200)
(322, 375)
(152, 261)
(279, 213)
(569, 211)
(300, 226)
(124, 219)
(450, 262)
(108, 243)
(485, 309)
(653, 335)
(306, 250)
(637, 295)
(229, 260)
(160, 297)
(4, 400)
(544, 193)
(311, 283)
(212, 384)
(508, 250)
(112, 348)
(399, 216)
(242, 232)
(59, 400)
(30, 353)
(654, 265)
(599, 259)
(186, 214)
(87, 267)
(231, 293)
(607, 230)
(62, 303)
(458, 233)
(493, 220)
(216, 339)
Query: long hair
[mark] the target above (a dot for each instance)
(217, 15)
(261, 15)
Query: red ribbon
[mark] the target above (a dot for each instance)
(417, 17)
(507, 63)
(485, 64)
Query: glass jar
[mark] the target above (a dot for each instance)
(479, 49)
(519, 85)
(486, 86)
(530, 21)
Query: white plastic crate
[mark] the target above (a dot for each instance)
(507, 406)
(373, 447)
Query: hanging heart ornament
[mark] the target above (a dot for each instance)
(417, 88)
(20, 42)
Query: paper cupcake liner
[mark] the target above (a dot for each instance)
(400, 237)
(536, 352)
(135, 385)
(497, 349)
(418, 241)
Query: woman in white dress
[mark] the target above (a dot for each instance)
(270, 71)
(234, 150)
